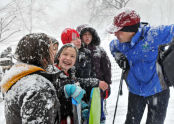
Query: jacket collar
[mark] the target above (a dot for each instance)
(17, 72)
(137, 37)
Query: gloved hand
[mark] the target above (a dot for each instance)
(122, 61)
(84, 105)
(85, 110)
(85, 114)
(74, 91)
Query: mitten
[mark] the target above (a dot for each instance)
(74, 91)
(85, 110)
(84, 105)
(85, 114)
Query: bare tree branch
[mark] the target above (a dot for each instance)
(112, 5)
(8, 23)
(126, 2)
(103, 9)
(5, 31)
(7, 6)
(9, 35)
(20, 12)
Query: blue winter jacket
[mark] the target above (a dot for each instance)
(144, 77)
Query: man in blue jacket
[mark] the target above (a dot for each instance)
(137, 45)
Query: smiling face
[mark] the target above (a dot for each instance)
(67, 58)
(87, 38)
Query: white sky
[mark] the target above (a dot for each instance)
(60, 14)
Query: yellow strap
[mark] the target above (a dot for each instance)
(6, 86)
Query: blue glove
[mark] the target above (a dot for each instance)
(74, 91)
(84, 105)
(85, 110)
(85, 114)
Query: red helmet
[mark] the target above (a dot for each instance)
(68, 35)
(126, 17)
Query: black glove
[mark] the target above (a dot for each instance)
(122, 61)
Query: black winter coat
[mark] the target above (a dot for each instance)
(31, 99)
(100, 67)
(65, 103)
(93, 63)
(59, 80)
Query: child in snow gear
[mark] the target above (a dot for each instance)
(29, 94)
(145, 80)
(65, 60)
(72, 36)
(100, 67)
(83, 66)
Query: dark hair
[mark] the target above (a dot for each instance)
(32, 48)
(95, 38)
(62, 48)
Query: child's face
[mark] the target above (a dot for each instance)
(55, 48)
(77, 42)
(67, 58)
(87, 38)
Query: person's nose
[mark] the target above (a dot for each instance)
(68, 58)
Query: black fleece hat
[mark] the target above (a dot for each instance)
(132, 28)
(95, 37)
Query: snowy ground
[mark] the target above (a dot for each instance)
(122, 104)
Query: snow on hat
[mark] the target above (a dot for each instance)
(68, 35)
(80, 27)
(125, 18)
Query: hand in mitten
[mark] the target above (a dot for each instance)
(84, 105)
(85, 114)
(85, 110)
(74, 91)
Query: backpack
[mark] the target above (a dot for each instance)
(166, 60)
